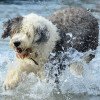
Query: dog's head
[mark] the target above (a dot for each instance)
(26, 32)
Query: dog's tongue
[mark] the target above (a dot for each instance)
(21, 54)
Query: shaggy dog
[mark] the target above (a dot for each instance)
(33, 38)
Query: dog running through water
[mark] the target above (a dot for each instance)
(33, 37)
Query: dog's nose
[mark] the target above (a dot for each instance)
(17, 43)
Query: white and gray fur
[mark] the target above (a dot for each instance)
(78, 28)
(71, 27)
(35, 32)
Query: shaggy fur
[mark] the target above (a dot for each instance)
(33, 38)
(78, 29)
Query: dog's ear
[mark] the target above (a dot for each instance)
(42, 35)
(9, 25)
(7, 28)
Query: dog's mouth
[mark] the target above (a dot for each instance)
(23, 53)
(19, 50)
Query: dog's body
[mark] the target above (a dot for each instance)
(77, 27)
(33, 38)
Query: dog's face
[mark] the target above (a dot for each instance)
(24, 33)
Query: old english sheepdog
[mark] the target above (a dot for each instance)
(33, 37)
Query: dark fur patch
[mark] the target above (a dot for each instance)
(81, 24)
(43, 34)
(12, 26)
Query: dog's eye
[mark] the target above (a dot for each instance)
(28, 35)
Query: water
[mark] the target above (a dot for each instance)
(71, 87)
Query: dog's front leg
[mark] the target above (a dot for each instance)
(12, 79)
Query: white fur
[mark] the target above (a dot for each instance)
(29, 23)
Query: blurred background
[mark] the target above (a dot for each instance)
(12, 8)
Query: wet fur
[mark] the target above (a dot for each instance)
(40, 35)
(71, 27)
(78, 29)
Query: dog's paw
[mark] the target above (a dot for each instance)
(12, 80)
(77, 69)
(8, 85)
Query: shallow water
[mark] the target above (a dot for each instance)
(71, 87)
